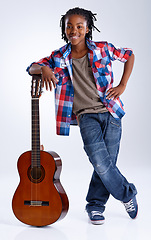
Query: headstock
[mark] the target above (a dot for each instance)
(36, 87)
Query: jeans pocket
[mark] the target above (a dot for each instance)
(117, 124)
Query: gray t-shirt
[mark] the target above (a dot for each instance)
(86, 97)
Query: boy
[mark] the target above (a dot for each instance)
(81, 73)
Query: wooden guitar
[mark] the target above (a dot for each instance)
(39, 199)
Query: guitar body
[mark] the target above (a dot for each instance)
(40, 199)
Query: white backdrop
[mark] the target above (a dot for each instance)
(29, 31)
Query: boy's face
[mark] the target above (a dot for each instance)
(76, 29)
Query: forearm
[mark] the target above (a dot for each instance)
(115, 92)
(128, 67)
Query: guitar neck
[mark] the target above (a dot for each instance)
(35, 161)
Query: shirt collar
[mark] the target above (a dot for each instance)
(66, 50)
(90, 44)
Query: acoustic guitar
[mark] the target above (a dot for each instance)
(39, 199)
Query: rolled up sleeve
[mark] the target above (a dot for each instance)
(121, 54)
(47, 61)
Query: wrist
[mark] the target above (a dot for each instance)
(123, 84)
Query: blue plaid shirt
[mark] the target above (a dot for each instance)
(101, 55)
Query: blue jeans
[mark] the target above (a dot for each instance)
(101, 135)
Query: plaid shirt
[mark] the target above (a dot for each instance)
(100, 55)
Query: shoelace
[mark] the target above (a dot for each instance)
(96, 213)
(129, 206)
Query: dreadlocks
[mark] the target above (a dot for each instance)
(89, 17)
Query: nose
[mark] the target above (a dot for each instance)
(73, 30)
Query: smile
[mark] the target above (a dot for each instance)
(74, 37)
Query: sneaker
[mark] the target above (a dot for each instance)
(131, 207)
(96, 217)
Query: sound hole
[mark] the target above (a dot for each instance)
(36, 174)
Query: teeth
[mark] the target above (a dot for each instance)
(75, 37)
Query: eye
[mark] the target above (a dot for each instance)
(68, 27)
(79, 27)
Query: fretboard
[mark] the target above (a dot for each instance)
(35, 161)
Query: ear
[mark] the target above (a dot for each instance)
(87, 29)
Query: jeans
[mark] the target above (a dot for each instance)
(101, 135)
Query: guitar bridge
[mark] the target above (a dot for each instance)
(36, 203)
